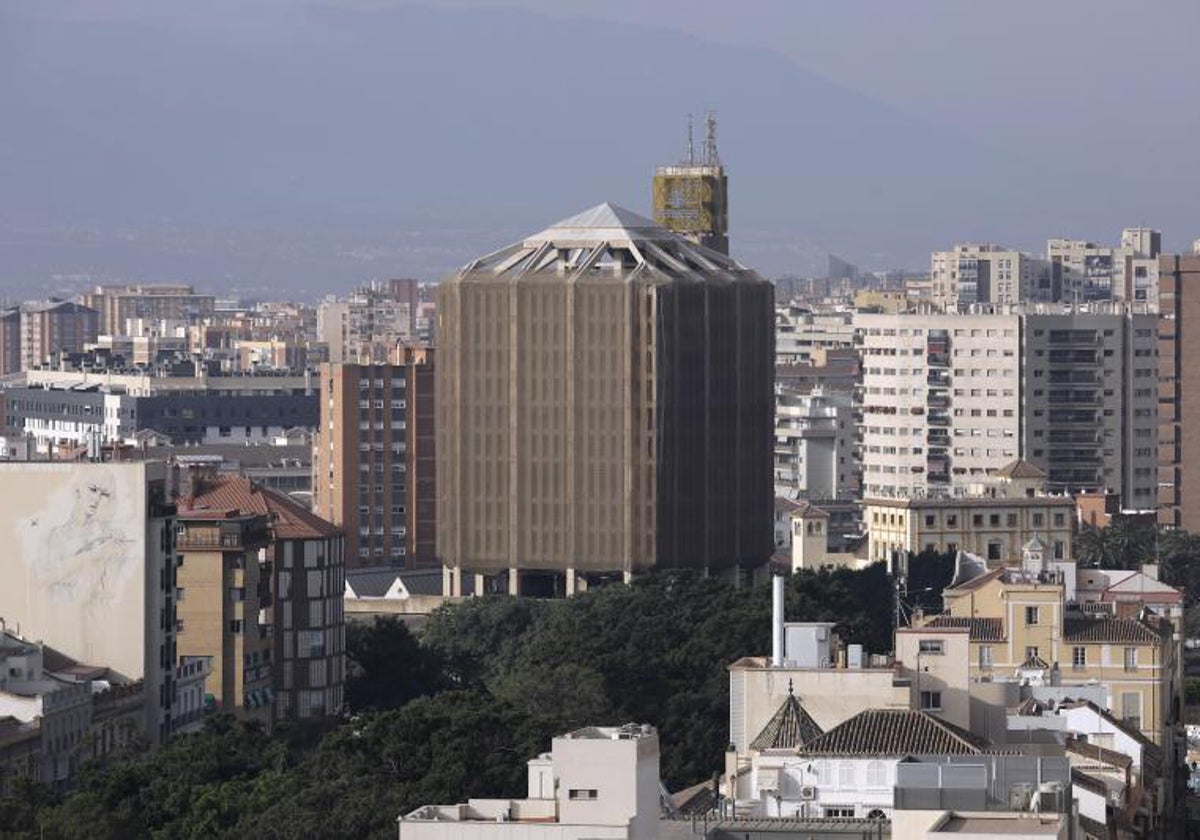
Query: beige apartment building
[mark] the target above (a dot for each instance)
(605, 405)
(995, 528)
(949, 398)
(50, 327)
(1025, 625)
(986, 273)
(374, 470)
(119, 304)
(222, 585)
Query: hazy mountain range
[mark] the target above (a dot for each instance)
(309, 148)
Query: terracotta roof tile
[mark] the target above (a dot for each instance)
(896, 732)
(982, 629)
(1110, 630)
(790, 728)
(1020, 469)
(289, 519)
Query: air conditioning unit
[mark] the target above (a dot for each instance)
(808, 792)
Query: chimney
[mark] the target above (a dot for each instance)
(777, 621)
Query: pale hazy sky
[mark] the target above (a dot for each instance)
(1054, 118)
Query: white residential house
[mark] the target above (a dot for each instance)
(847, 772)
(596, 783)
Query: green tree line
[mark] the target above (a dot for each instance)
(456, 712)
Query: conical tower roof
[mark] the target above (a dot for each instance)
(792, 727)
(611, 239)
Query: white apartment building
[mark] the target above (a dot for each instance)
(985, 273)
(365, 325)
(798, 330)
(940, 399)
(596, 782)
(815, 453)
(1084, 271)
(947, 399)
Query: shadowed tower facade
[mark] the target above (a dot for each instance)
(604, 405)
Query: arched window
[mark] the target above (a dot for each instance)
(876, 814)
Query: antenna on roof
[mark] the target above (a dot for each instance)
(710, 139)
(691, 146)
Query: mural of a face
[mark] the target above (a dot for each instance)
(78, 550)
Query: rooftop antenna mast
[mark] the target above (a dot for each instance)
(691, 146)
(710, 140)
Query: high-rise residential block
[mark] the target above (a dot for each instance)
(970, 274)
(221, 588)
(604, 404)
(117, 305)
(1084, 271)
(373, 458)
(816, 456)
(260, 588)
(949, 398)
(1179, 392)
(55, 326)
(10, 341)
(366, 326)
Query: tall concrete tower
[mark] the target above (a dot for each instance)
(691, 198)
(604, 404)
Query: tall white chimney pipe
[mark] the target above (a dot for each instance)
(777, 621)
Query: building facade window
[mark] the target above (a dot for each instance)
(1079, 657)
(931, 701)
(1031, 616)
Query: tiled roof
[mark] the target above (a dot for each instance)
(289, 519)
(982, 629)
(1083, 780)
(1112, 630)
(1099, 753)
(371, 583)
(976, 582)
(895, 732)
(1151, 752)
(1020, 469)
(790, 728)
(807, 509)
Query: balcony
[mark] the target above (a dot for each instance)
(938, 418)
(938, 401)
(938, 379)
(1073, 377)
(1072, 357)
(1074, 398)
(191, 538)
(1064, 436)
(1072, 338)
(1068, 417)
(938, 360)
